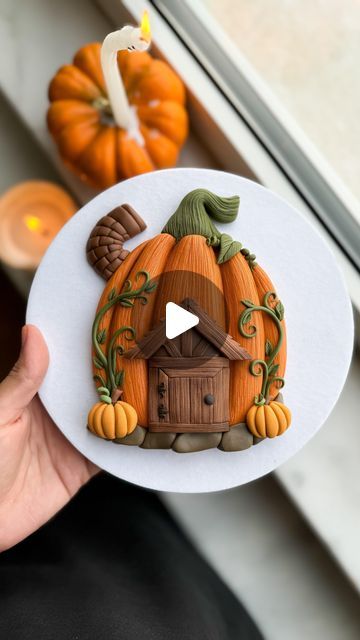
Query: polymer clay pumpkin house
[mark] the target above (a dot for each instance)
(217, 384)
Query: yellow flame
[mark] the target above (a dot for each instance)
(33, 223)
(145, 27)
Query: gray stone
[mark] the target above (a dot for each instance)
(238, 438)
(258, 440)
(134, 439)
(158, 440)
(190, 442)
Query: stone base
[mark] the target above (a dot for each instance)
(238, 438)
(191, 442)
(134, 439)
(158, 440)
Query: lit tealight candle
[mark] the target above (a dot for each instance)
(31, 214)
(131, 39)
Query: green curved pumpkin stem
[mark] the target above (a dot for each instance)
(194, 216)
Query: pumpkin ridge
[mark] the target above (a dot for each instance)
(191, 254)
(160, 118)
(98, 159)
(152, 260)
(161, 149)
(61, 113)
(71, 82)
(87, 59)
(130, 155)
(127, 62)
(238, 284)
(76, 137)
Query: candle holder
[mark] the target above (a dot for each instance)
(31, 214)
(116, 112)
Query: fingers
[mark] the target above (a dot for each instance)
(22, 383)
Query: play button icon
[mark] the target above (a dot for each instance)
(178, 320)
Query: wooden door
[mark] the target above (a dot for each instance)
(189, 394)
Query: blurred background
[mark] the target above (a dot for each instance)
(273, 94)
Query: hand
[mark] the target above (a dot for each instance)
(40, 470)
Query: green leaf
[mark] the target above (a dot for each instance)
(101, 336)
(119, 376)
(246, 317)
(112, 294)
(151, 287)
(99, 378)
(248, 303)
(268, 348)
(98, 364)
(279, 310)
(126, 303)
(105, 399)
(273, 369)
(228, 248)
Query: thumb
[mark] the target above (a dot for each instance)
(23, 381)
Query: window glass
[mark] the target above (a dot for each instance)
(308, 53)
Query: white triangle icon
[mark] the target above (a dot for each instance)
(178, 320)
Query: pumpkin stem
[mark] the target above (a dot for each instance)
(193, 217)
(116, 394)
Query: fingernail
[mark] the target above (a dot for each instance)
(24, 332)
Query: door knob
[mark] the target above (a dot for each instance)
(209, 399)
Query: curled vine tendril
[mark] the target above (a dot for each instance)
(259, 367)
(105, 360)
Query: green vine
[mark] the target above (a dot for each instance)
(259, 367)
(105, 361)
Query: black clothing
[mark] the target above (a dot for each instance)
(113, 564)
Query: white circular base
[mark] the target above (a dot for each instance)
(318, 313)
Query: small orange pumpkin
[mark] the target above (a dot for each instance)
(112, 420)
(80, 117)
(268, 420)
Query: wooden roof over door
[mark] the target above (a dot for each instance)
(207, 327)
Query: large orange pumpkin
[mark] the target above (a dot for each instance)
(249, 309)
(80, 118)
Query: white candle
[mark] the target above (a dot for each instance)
(132, 39)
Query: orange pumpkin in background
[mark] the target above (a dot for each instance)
(81, 122)
(233, 291)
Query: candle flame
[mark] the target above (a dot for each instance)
(145, 27)
(33, 223)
